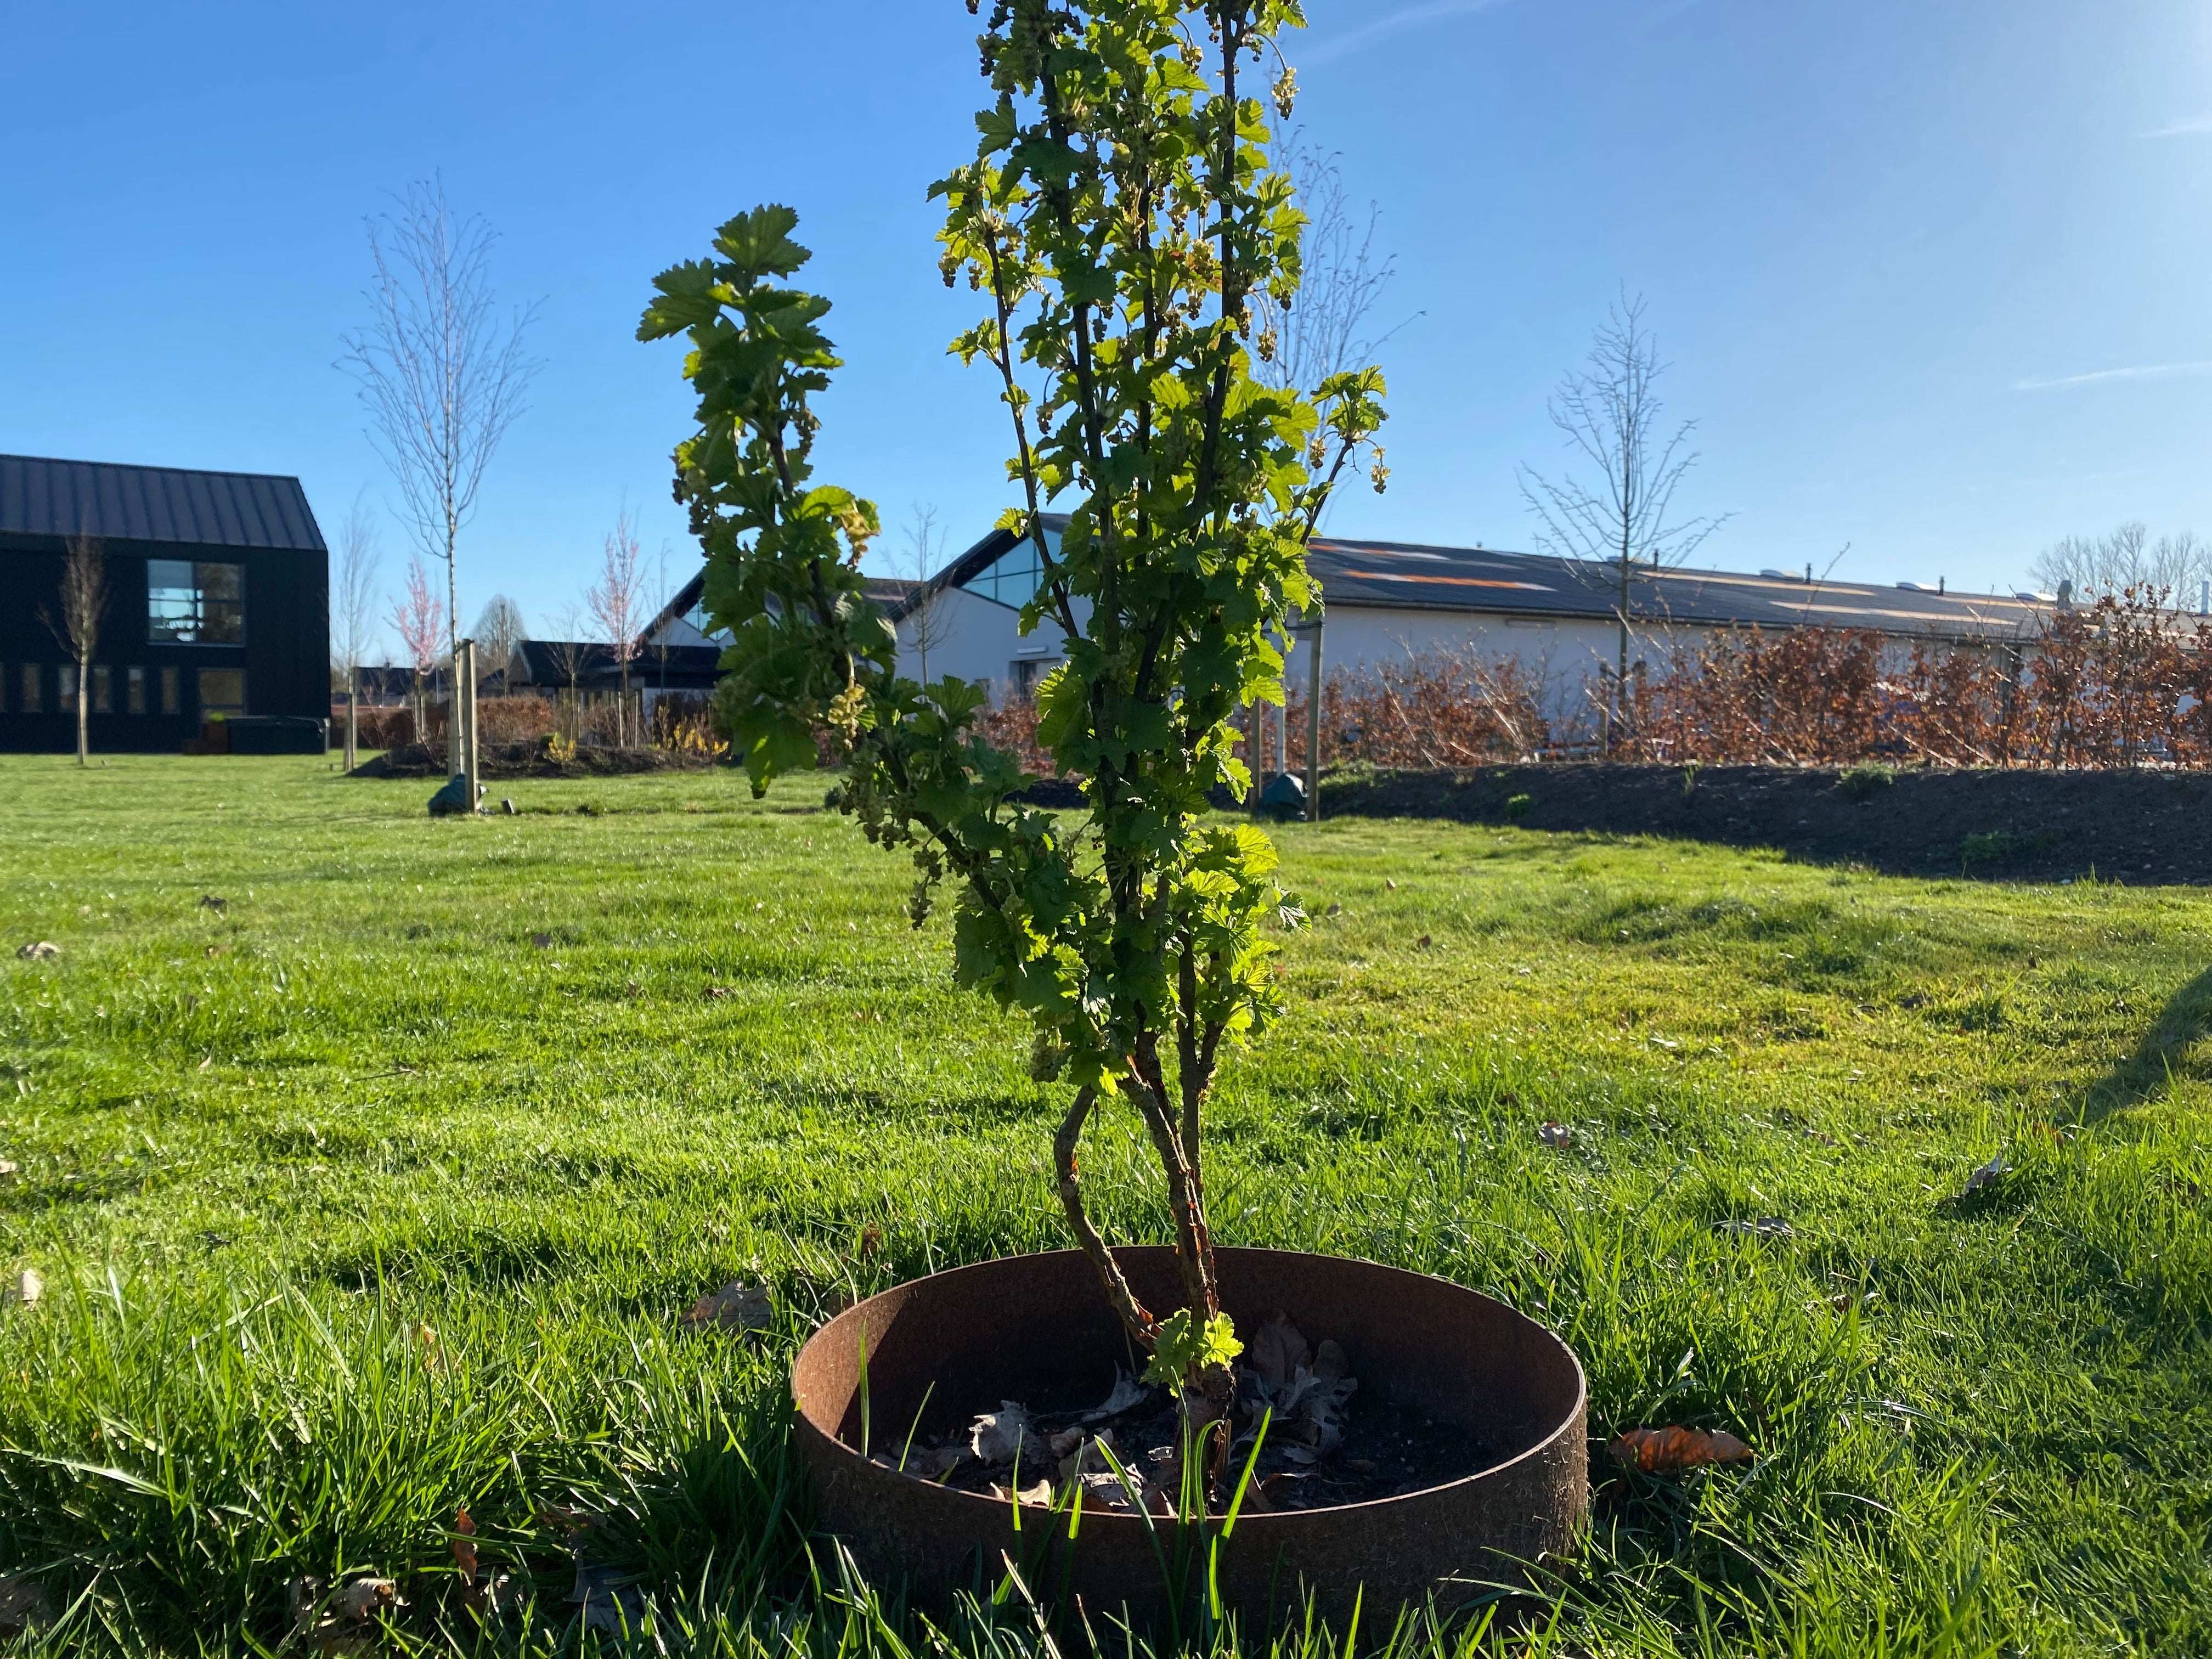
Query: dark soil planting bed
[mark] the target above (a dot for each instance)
(1462, 1460)
(2140, 828)
(530, 760)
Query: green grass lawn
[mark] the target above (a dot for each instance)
(355, 1205)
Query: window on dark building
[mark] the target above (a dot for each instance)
(192, 602)
(33, 686)
(1012, 578)
(69, 688)
(169, 700)
(222, 691)
(103, 689)
(134, 690)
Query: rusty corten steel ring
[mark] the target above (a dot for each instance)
(1036, 1326)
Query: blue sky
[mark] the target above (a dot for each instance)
(1932, 277)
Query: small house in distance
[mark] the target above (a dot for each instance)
(218, 605)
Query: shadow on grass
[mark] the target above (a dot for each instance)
(2148, 1070)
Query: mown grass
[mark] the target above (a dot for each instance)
(357, 1206)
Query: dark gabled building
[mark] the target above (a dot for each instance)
(218, 604)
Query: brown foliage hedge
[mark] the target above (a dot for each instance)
(2121, 683)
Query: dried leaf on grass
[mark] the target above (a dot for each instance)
(30, 1284)
(737, 1306)
(1764, 1227)
(1987, 1175)
(464, 1546)
(612, 1606)
(6, 1170)
(1556, 1135)
(1665, 1451)
(364, 1598)
(39, 951)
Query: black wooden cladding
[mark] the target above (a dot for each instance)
(260, 523)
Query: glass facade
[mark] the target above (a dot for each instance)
(696, 616)
(222, 691)
(1012, 578)
(169, 699)
(194, 602)
(103, 689)
(134, 684)
(34, 684)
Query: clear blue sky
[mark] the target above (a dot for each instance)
(1933, 277)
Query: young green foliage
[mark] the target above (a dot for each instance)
(1118, 219)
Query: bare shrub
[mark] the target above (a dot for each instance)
(1434, 708)
(501, 721)
(2120, 683)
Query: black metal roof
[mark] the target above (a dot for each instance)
(1411, 576)
(45, 497)
(546, 663)
(889, 592)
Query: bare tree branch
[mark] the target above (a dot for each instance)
(416, 618)
(499, 628)
(928, 624)
(2174, 567)
(83, 604)
(441, 374)
(1610, 414)
(616, 602)
(1324, 331)
(353, 616)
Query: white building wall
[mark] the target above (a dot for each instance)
(978, 639)
(1560, 654)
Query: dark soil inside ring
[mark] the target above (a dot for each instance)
(1386, 1451)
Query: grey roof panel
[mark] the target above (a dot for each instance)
(45, 497)
(1399, 575)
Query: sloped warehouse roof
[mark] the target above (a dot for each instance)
(1411, 576)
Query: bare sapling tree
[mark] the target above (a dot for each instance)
(442, 369)
(1326, 327)
(661, 641)
(616, 602)
(2090, 567)
(354, 621)
(1610, 415)
(499, 629)
(75, 626)
(571, 655)
(420, 624)
(928, 622)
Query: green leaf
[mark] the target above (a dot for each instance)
(1185, 1346)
